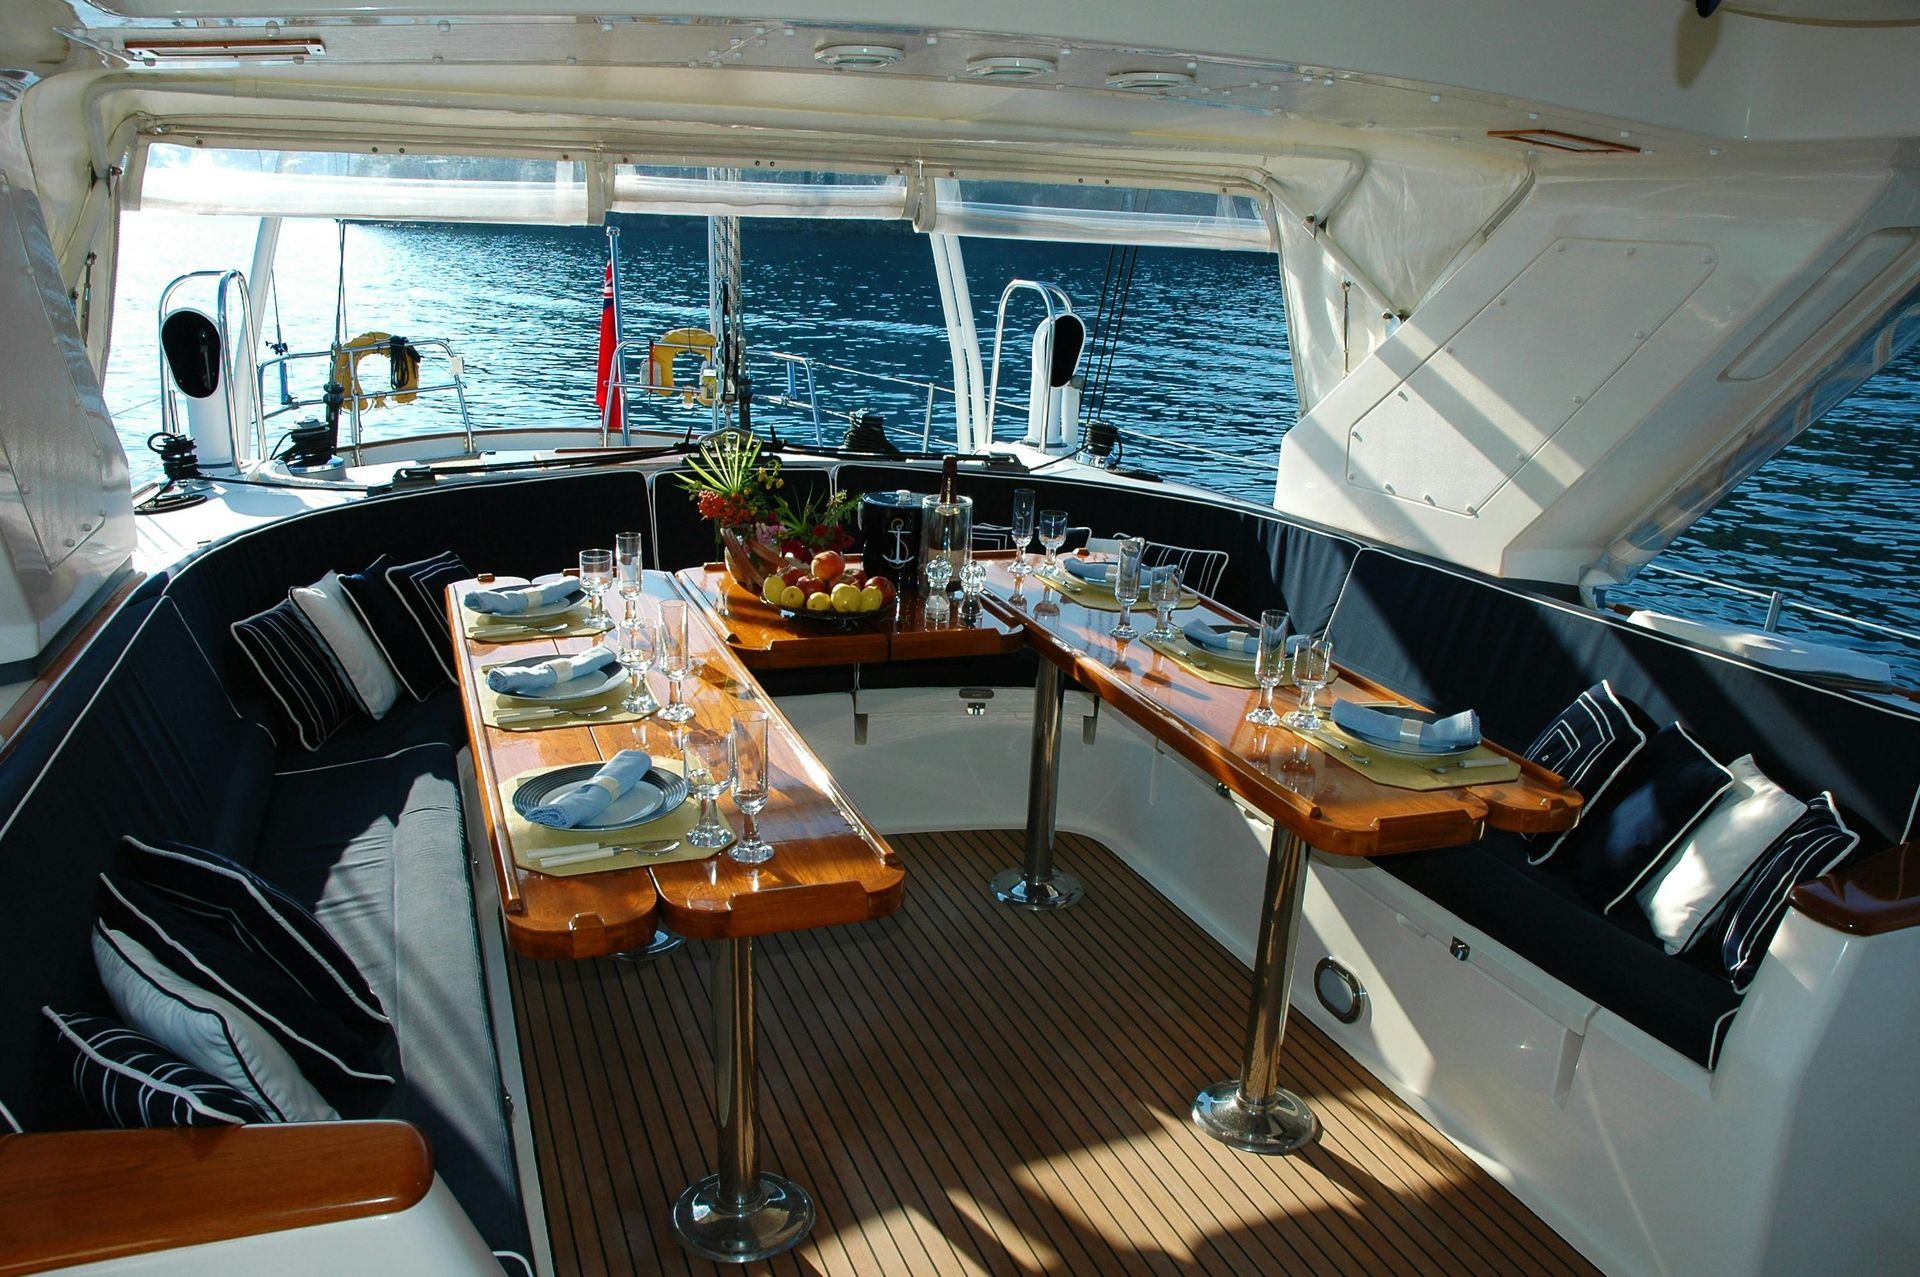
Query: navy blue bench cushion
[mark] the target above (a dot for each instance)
(433, 721)
(376, 848)
(1614, 959)
(142, 740)
(1451, 640)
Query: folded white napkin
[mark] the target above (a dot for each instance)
(581, 803)
(517, 680)
(522, 598)
(1100, 572)
(1236, 640)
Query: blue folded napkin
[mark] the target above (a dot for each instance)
(1461, 731)
(576, 806)
(518, 680)
(1232, 640)
(521, 598)
(1100, 571)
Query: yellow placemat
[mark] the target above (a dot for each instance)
(524, 836)
(1402, 772)
(492, 702)
(1100, 597)
(483, 628)
(1212, 666)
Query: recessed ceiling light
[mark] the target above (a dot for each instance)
(857, 57)
(1148, 81)
(1009, 66)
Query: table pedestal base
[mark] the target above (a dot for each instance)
(775, 1218)
(1035, 885)
(1283, 1124)
(663, 943)
(1059, 891)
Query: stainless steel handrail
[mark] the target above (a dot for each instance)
(289, 403)
(1779, 601)
(229, 388)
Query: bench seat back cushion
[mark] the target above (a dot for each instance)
(154, 749)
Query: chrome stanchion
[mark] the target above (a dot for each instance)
(742, 1213)
(1256, 1114)
(1036, 885)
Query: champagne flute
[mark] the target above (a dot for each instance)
(707, 758)
(1053, 535)
(596, 574)
(1126, 584)
(626, 560)
(676, 661)
(636, 647)
(750, 786)
(1164, 592)
(1270, 666)
(1020, 526)
(1312, 670)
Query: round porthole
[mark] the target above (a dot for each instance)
(1339, 991)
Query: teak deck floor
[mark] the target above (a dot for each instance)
(967, 1088)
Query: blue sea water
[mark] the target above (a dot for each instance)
(1201, 384)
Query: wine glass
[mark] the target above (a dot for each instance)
(750, 786)
(636, 647)
(596, 574)
(1126, 584)
(1053, 535)
(1312, 670)
(1020, 528)
(707, 759)
(676, 661)
(626, 561)
(1270, 666)
(1164, 593)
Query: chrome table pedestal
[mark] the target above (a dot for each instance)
(1255, 1114)
(742, 1213)
(1036, 885)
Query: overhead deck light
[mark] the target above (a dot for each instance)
(857, 57)
(1554, 139)
(1148, 81)
(265, 49)
(1009, 66)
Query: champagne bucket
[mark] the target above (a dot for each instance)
(890, 537)
(946, 531)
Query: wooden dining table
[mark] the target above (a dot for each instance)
(1299, 782)
(829, 867)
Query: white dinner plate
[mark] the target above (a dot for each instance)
(579, 688)
(657, 794)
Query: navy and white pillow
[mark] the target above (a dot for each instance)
(324, 605)
(260, 917)
(393, 628)
(300, 671)
(327, 1049)
(204, 1029)
(422, 588)
(1673, 784)
(130, 1081)
(1588, 745)
(1817, 843)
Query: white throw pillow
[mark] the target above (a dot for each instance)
(204, 1029)
(324, 603)
(1716, 854)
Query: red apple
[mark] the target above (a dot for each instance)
(854, 577)
(884, 586)
(829, 564)
(792, 575)
(811, 585)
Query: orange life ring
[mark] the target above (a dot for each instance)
(680, 341)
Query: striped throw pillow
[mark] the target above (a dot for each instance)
(1817, 843)
(299, 671)
(129, 1080)
(422, 588)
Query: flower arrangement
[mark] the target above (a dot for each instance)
(729, 484)
(816, 523)
(760, 527)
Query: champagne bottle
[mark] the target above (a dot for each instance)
(949, 477)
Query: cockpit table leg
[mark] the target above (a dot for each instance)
(1256, 1114)
(742, 1213)
(1036, 885)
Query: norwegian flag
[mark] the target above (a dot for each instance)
(603, 377)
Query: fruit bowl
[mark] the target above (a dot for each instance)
(845, 620)
(830, 592)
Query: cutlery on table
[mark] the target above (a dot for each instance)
(508, 716)
(1468, 762)
(485, 632)
(574, 853)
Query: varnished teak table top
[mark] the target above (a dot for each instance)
(1331, 805)
(829, 866)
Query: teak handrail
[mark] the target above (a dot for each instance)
(1875, 896)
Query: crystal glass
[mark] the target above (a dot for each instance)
(1164, 592)
(636, 647)
(676, 661)
(1270, 666)
(708, 760)
(751, 786)
(1053, 535)
(973, 579)
(946, 535)
(1126, 584)
(1312, 670)
(596, 574)
(939, 573)
(1020, 526)
(626, 563)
